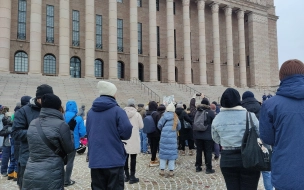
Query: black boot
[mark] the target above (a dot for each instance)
(133, 179)
(127, 176)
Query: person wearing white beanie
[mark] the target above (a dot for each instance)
(106, 88)
(170, 108)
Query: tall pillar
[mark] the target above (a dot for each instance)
(202, 42)
(64, 38)
(35, 37)
(229, 41)
(187, 43)
(216, 45)
(152, 41)
(112, 39)
(133, 40)
(242, 52)
(89, 38)
(5, 35)
(170, 42)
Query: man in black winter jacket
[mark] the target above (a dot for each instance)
(250, 103)
(22, 120)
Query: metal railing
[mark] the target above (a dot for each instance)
(145, 88)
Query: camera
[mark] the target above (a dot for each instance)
(198, 94)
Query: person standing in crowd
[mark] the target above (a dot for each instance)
(143, 136)
(133, 144)
(184, 133)
(107, 125)
(18, 106)
(81, 112)
(228, 129)
(168, 124)
(22, 120)
(252, 105)
(78, 132)
(45, 168)
(216, 147)
(203, 139)
(281, 126)
(218, 107)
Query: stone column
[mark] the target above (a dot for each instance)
(202, 42)
(35, 37)
(5, 35)
(89, 38)
(187, 43)
(112, 39)
(64, 38)
(152, 41)
(229, 41)
(242, 52)
(133, 40)
(170, 42)
(216, 45)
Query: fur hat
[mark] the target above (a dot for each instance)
(291, 67)
(247, 94)
(106, 88)
(42, 90)
(51, 101)
(170, 108)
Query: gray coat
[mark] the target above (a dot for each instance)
(44, 168)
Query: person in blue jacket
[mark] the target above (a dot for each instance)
(107, 125)
(281, 126)
(79, 131)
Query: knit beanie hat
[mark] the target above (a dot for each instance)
(205, 101)
(152, 106)
(161, 108)
(131, 102)
(141, 105)
(106, 88)
(42, 90)
(291, 67)
(170, 108)
(50, 101)
(247, 94)
(25, 100)
(230, 98)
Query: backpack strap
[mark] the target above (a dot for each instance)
(73, 117)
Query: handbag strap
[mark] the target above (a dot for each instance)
(247, 121)
(46, 141)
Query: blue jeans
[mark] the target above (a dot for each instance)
(6, 155)
(267, 180)
(143, 141)
(163, 163)
(13, 166)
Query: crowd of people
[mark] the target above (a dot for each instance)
(40, 138)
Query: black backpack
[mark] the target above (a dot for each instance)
(200, 119)
(72, 123)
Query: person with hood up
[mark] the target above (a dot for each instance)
(168, 124)
(228, 129)
(107, 125)
(281, 126)
(79, 131)
(184, 133)
(133, 144)
(204, 140)
(45, 168)
(22, 119)
(143, 136)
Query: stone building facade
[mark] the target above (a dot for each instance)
(207, 42)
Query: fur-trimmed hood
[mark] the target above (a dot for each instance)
(236, 108)
(202, 107)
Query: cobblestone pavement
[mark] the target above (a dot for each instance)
(185, 176)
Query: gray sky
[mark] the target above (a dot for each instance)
(290, 29)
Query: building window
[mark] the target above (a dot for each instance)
(174, 8)
(98, 32)
(75, 67)
(139, 3)
(141, 72)
(98, 68)
(21, 62)
(248, 60)
(119, 1)
(176, 74)
(120, 70)
(175, 43)
(21, 34)
(158, 43)
(157, 5)
(50, 24)
(159, 72)
(139, 31)
(49, 65)
(75, 40)
(119, 35)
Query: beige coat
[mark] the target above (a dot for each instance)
(133, 144)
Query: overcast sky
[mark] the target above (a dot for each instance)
(290, 29)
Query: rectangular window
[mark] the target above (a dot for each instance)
(158, 43)
(139, 30)
(139, 3)
(119, 1)
(98, 32)
(248, 60)
(119, 35)
(21, 34)
(50, 24)
(157, 5)
(75, 36)
(174, 8)
(175, 43)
